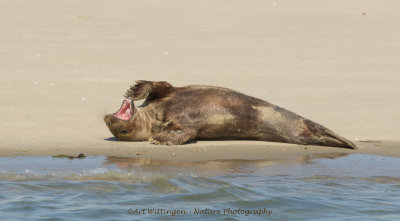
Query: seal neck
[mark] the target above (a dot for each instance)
(143, 122)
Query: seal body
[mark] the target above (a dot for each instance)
(175, 115)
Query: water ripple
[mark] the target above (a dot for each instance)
(340, 187)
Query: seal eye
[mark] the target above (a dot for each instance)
(124, 132)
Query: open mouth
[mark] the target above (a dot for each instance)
(125, 112)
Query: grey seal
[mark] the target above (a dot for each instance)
(175, 115)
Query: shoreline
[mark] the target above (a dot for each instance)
(333, 63)
(202, 150)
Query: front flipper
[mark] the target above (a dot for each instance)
(174, 137)
(148, 90)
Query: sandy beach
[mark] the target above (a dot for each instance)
(64, 64)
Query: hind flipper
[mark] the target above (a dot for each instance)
(319, 135)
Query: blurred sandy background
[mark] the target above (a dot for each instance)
(65, 63)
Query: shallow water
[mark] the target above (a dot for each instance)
(319, 187)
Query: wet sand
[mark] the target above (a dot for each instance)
(65, 64)
(204, 150)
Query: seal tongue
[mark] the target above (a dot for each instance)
(125, 113)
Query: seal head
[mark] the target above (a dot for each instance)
(124, 124)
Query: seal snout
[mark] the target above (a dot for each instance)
(126, 110)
